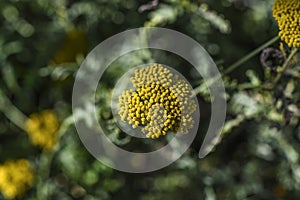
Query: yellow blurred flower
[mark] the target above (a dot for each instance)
(287, 14)
(74, 45)
(16, 177)
(42, 129)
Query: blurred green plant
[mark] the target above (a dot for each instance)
(42, 43)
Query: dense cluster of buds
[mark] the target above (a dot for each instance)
(287, 14)
(161, 102)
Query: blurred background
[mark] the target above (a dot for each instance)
(42, 44)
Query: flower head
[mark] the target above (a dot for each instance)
(16, 177)
(161, 102)
(287, 14)
(42, 129)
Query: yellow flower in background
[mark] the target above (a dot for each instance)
(161, 102)
(74, 45)
(287, 14)
(16, 177)
(42, 129)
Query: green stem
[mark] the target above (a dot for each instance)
(46, 160)
(11, 111)
(250, 55)
(43, 175)
(238, 63)
(284, 66)
(65, 125)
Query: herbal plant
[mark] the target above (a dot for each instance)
(43, 43)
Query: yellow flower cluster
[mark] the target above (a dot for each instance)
(160, 103)
(74, 45)
(42, 129)
(287, 14)
(16, 177)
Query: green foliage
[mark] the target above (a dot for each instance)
(258, 155)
